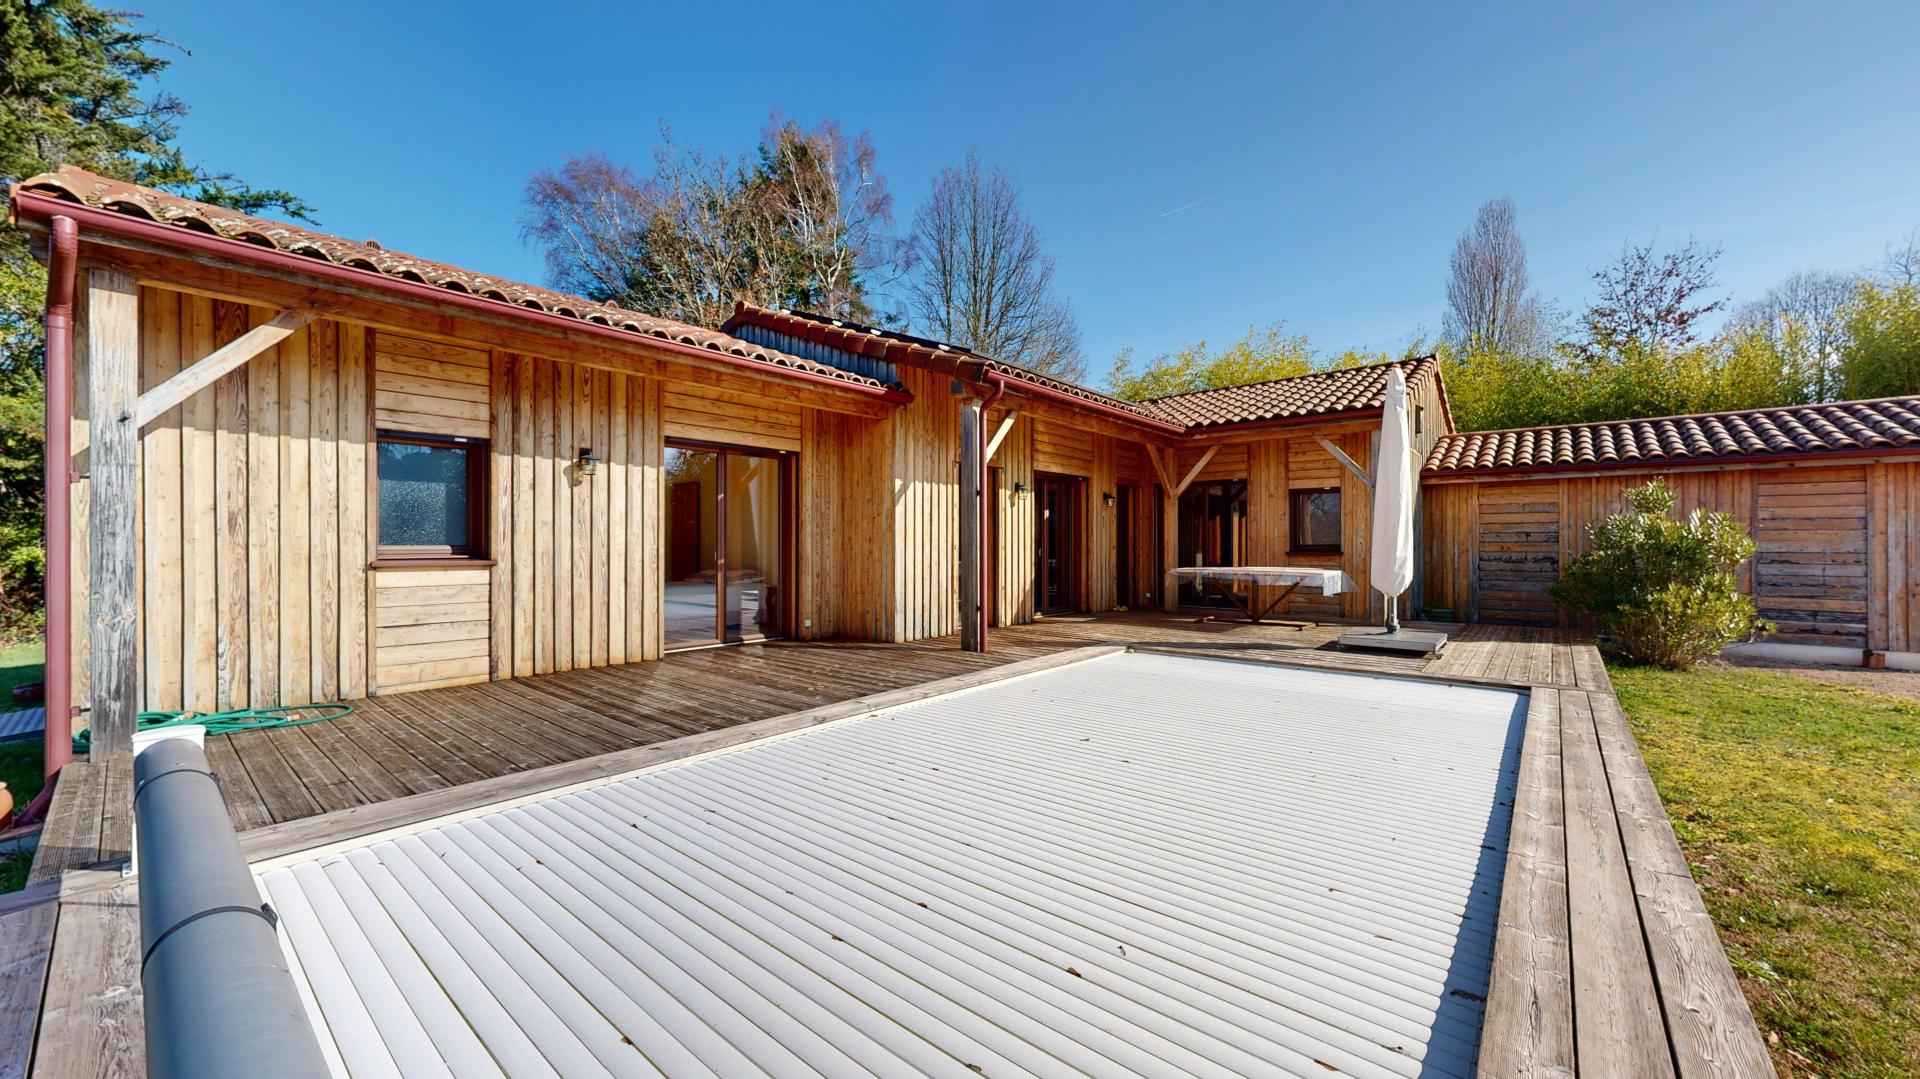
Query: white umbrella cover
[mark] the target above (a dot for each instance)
(1394, 484)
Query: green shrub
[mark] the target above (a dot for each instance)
(1662, 590)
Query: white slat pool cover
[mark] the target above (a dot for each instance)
(1134, 864)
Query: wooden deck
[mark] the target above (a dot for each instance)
(1605, 957)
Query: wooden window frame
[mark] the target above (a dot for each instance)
(1297, 521)
(474, 552)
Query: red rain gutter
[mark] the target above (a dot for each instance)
(57, 473)
(31, 204)
(995, 378)
(1661, 464)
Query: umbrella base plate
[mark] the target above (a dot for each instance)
(1418, 642)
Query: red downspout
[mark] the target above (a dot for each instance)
(64, 249)
(980, 549)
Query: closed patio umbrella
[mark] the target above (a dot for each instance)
(1393, 489)
(1395, 482)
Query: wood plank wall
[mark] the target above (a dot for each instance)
(1012, 464)
(1058, 447)
(577, 558)
(1893, 556)
(1836, 544)
(431, 626)
(258, 514)
(706, 414)
(845, 523)
(1131, 469)
(254, 583)
(925, 440)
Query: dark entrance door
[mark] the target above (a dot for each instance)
(1057, 561)
(1125, 500)
(1212, 533)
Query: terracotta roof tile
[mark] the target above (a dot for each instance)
(1891, 423)
(1322, 392)
(1348, 389)
(88, 189)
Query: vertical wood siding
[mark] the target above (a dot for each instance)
(1893, 556)
(1012, 464)
(845, 538)
(1837, 545)
(579, 555)
(926, 510)
(252, 517)
(1102, 533)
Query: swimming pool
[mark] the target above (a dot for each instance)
(1140, 863)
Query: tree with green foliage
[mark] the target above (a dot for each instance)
(74, 90)
(1260, 356)
(1491, 390)
(1881, 353)
(1663, 590)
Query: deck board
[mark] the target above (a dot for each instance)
(1605, 956)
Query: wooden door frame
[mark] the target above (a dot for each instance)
(1073, 494)
(787, 462)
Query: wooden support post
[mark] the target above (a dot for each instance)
(1169, 548)
(113, 381)
(972, 520)
(1169, 517)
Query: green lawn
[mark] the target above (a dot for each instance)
(20, 664)
(1798, 804)
(21, 763)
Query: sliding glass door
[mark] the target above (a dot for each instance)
(727, 535)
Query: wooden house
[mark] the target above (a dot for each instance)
(302, 468)
(306, 468)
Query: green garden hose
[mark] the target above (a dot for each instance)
(234, 722)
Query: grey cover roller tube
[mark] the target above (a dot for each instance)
(219, 998)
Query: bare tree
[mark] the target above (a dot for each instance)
(983, 280)
(1650, 300)
(1902, 263)
(802, 226)
(822, 195)
(1488, 305)
(1805, 319)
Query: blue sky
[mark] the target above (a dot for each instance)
(1195, 171)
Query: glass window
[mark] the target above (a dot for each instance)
(1316, 520)
(430, 499)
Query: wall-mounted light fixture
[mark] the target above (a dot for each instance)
(1020, 489)
(587, 463)
(1108, 499)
